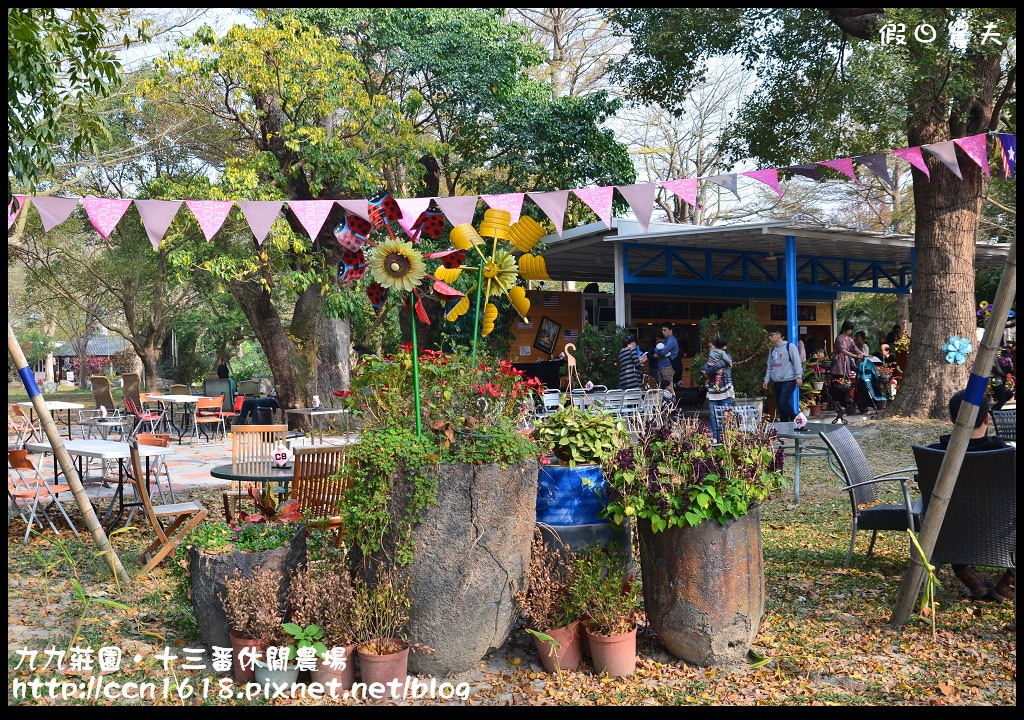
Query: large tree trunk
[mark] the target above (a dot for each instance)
(150, 356)
(332, 358)
(947, 213)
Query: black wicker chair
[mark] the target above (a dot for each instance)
(980, 525)
(1005, 423)
(862, 485)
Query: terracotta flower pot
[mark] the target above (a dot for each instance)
(615, 655)
(345, 677)
(584, 642)
(237, 644)
(568, 656)
(815, 410)
(385, 668)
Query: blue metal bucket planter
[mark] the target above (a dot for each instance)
(570, 496)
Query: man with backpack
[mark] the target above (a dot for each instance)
(785, 371)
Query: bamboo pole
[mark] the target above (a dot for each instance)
(61, 456)
(964, 425)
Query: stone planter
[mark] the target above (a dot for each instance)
(470, 550)
(208, 573)
(704, 588)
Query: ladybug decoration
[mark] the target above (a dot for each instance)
(352, 233)
(383, 211)
(352, 266)
(429, 224)
(450, 259)
(378, 295)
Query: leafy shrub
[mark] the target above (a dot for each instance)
(580, 437)
(253, 607)
(678, 477)
(597, 353)
(748, 345)
(604, 591)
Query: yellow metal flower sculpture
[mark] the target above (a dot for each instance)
(498, 271)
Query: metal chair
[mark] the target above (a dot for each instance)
(142, 417)
(869, 513)
(611, 402)
(25, 482)
(19, 423)
(208, 412)
(980, 524)
(746, 417)
(550, 401)
(1005, 423)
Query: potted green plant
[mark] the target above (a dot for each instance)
(254, 614)
(421, 501)
(546, 603)
(381, 614)
(570, 482)
(809, 395)
(323, 598)
(604, 590)
(697, 506)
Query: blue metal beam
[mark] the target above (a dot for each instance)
(792, 330)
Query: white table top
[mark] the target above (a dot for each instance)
(316, 411)
(175, 398)
(101, 449)
(56, 405)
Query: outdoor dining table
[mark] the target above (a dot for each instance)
(52, 405)
(314, 413)
(803, 445)
(105, 450)
(263, 472)
(186, 400)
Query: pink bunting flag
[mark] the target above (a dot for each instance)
(946, 152)
(105, 213)
(976, 147)
(210, 214)
(553, 204)
(599, 200)
(312, 214)
(357, 207)
(411, 209)
(260, 214)
(768, 176)
(458, 209)
(54, 210)
(156, 218)
(511, 202)
(13, 208)
(641, 201)
(685, 188)
(913, 156)
(843, 165)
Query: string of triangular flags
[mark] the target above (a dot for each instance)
(414, 215)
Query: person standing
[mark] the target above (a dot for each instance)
(629, 365)
(667, 351)
(785, 372)
(720, 392)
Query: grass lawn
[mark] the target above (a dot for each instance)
(824, 628)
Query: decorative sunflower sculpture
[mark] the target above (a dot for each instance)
(394, 265)
(499, 270)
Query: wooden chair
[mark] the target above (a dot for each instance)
(179, 390)
(184, 518)
(159, 465)
(318, 488)
(209, 410)
(250, 444)
(25, 482)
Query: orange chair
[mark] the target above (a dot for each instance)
(230, 415)
(142, 416)
(209, 410)
(22, 425)
(24, 482)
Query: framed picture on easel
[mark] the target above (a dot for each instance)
(547, 335)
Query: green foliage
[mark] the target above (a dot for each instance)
(58, 64)
(303, 637)
(748, 345)
(381, 612)
(250, 363)
(579, 437)
(598, 354)
(219, 538)
(874, 314)
(604, 592)
(679, 476)
(36, 344)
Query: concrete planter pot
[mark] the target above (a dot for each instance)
(208, 574)
(704, 588)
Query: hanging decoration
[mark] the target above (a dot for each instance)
(957, 349)
(417, 220)
(499, 267)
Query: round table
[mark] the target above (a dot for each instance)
(261, 472)
(808, 435)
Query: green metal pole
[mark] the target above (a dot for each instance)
(476, 319)
(415, 365)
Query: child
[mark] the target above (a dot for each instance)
(714, 368)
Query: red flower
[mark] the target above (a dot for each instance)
(342, 393)
(405, 347)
